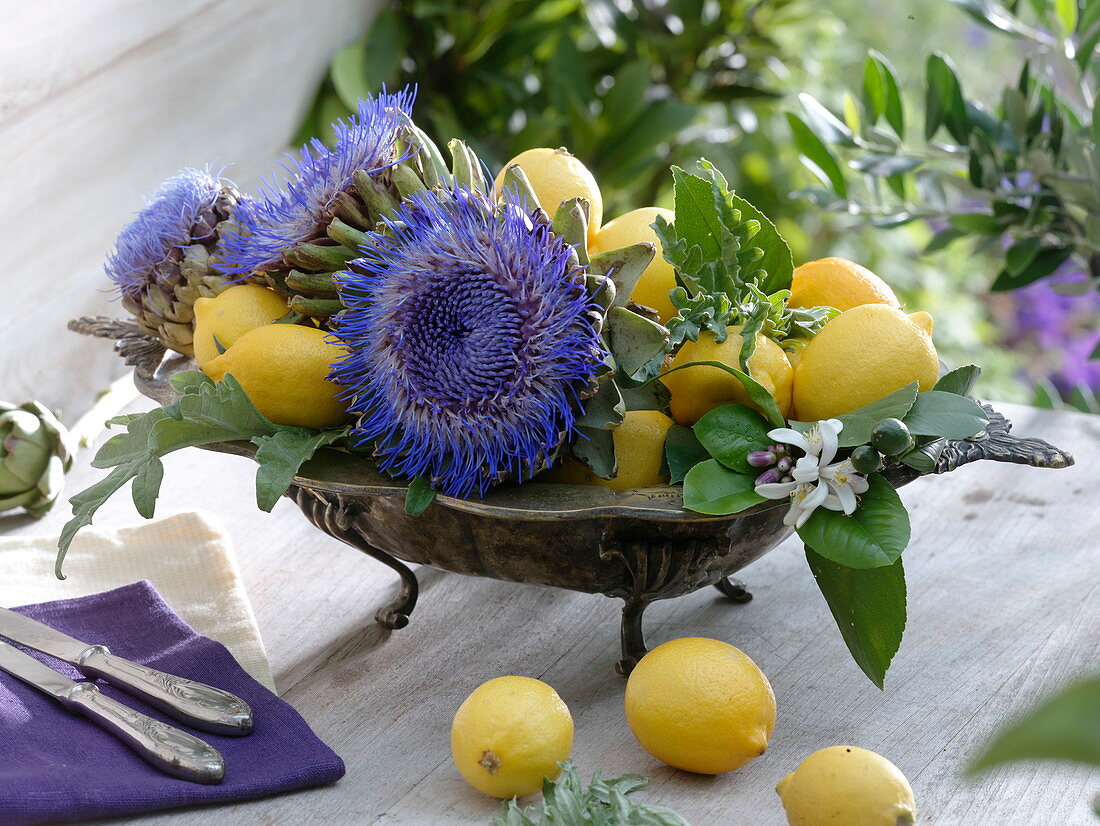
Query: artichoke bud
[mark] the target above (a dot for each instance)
(35, 452)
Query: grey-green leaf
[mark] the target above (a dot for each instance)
(280, 455)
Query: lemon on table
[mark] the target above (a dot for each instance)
(860, 356)
(659, 277)
(557, 176)
(284, 370)
(839, 283)
(639, 449)
(846, 785)
(231, 314)
(697, 390)
(509, 734)
(700, 705)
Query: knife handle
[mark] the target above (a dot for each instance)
(169, 749)
(197, 704)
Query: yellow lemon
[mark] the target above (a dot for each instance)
(557, 176)
(659, 277)
(509, 734)
(840, 283)
(231, 314)
(860, 356)
(284, 368)
(696, 390)
(700, 705)
(639, 449)
(845, 785)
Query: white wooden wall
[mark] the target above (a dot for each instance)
(101, 100)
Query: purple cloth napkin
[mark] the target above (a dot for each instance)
(55, 766)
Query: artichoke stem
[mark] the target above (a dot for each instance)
(319, 285)
(405, 180)
(318, 257)
(345, 234)
(374, 195)
(315, 307)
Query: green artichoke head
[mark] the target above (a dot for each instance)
(35, 452)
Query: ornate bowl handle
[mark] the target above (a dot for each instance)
(995, 442)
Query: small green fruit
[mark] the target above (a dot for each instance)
(865, 459)
(891, 437)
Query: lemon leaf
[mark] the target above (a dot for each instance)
(869, 608)
(859, 422)
(873, 536)
(759, 394)
(730, 432)
(713, 489)
(937, 413)
(961, 380)
(419, 495)
(682, 452)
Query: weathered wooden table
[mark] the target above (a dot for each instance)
(1004, 591)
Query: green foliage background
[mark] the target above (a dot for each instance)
(634, 86)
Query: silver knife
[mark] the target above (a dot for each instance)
(197, 704)
(169, 749)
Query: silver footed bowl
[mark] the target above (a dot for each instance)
(638, 546)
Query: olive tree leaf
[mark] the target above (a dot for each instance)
(816, 155)
(873, 536)
(869, 608)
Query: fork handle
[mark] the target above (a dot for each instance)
(169, 749)
(197, 704)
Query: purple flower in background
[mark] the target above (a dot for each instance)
(301, 209)
(471, 336)
(1058, 329)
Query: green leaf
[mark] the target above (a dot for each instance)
(711, 488)
(869, 608)
(419, 495)
(1065, 727)
(777, 262)
(961, 380)
(873, 536)
(730, 432)
(682, 452)
(882, 166)
(859, 422)
(697, 219)
(827, 126)
(280, 455)
(817, 156)
(936, 413)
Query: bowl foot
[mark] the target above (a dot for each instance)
(734, 589)
(630, 636)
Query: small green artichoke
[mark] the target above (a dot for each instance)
(35, 453)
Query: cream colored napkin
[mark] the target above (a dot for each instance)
(188, 557)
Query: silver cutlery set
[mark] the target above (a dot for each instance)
(168, 748)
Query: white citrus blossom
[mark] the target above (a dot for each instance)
(814, 481)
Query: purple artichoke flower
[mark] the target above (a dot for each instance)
(300, 211)
(471, 338)
(161, 263)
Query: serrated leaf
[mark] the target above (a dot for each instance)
(280, 455)
(936, 413)
(730, 432)
(869, 608)
(1065, 727)
(961, 380)
(859, 422)
(875, 535)
(713, 489)
(682, 452)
